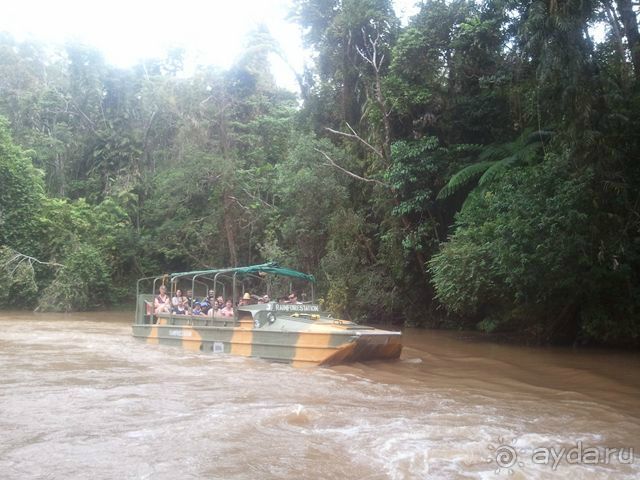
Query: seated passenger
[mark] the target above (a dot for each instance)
(227, 311)
(246, 300)
(162, 302)
(179, 303)
(215, 304)
(197, 310)
(205, 305)
(189, 302)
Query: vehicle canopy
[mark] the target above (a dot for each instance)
(271, 267)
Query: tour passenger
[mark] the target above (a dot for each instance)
(246, 300)
(220, 301)
(189, 302)
(206, 306)
(208, 302)
(162, 302)
(179, 303)
(293, 298)
(227, 311)
(197, 310)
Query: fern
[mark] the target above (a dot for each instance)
(494, 160)
(495, 170)
(539, 136)
(464, 177)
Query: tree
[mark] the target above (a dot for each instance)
(339, 30)
(21, 194)
(629, 20)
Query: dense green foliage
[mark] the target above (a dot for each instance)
(21, 193)
(475, 168)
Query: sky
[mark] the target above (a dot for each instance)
(126, 31)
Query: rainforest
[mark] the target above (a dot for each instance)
(475, 167)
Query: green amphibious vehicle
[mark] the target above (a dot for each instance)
(288, 328)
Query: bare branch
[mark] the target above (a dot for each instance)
(210, 97)
(78, 111)
(357, 137)
(332, 163)
(21, 257)
(255, 197)
(239, 203)
(371, 57)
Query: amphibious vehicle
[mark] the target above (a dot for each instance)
(278, 326)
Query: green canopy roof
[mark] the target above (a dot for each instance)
(271, 267)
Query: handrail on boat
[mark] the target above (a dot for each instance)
(231, 273)
(155, 279)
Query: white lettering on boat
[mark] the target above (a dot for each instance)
(296, 308)
(180, 333)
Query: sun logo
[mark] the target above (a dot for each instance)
(505, 455)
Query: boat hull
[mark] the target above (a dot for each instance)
(319, 346)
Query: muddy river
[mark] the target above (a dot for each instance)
(80, 398)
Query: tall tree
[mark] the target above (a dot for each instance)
(629, 19)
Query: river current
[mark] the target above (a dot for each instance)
(80, 398)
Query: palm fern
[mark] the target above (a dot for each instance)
(495, 159)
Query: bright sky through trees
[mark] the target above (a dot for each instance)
(126, 31)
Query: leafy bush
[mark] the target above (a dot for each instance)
(21, 192)
(529, 252)
(17, 278)
(83, 284)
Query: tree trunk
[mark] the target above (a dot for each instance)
(350, 107)
(630, 23)
(615, 28)
(229, 228)
(382, 104)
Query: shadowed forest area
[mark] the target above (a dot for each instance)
(476, 168)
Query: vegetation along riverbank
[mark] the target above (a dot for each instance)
(474, 167)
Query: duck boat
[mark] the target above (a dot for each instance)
(295, 332)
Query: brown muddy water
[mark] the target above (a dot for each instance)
(80, 398)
